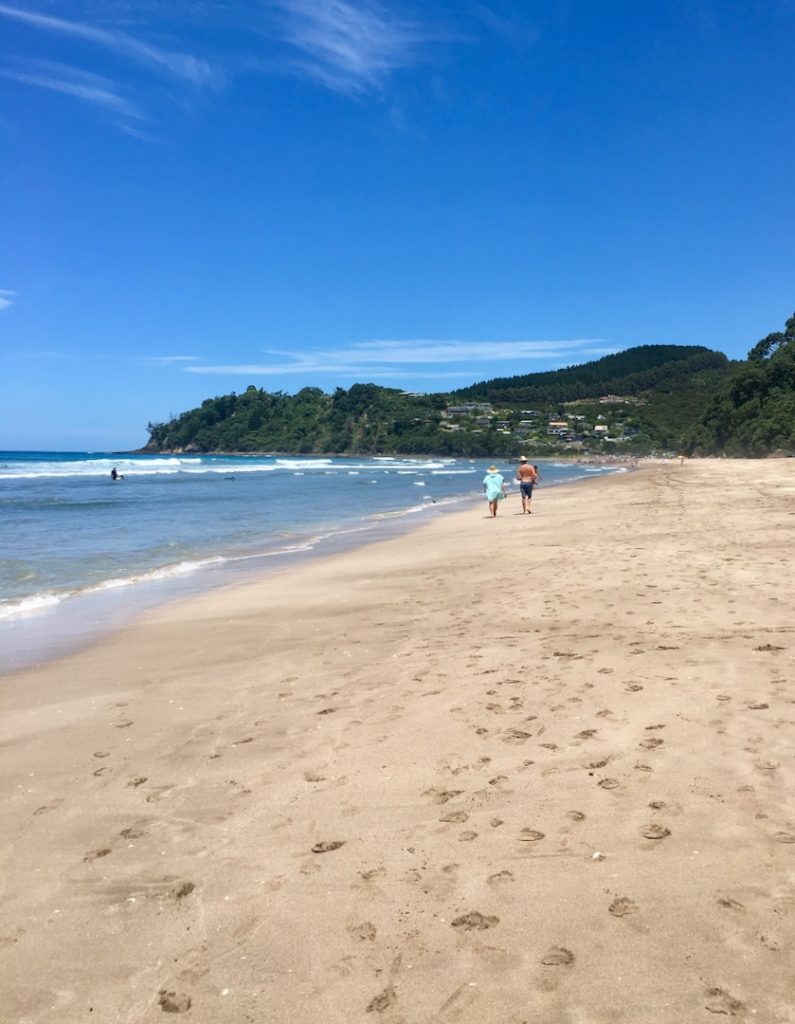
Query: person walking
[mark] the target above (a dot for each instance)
(527, 476)
(494, 488)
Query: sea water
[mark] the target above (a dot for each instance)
(79, 550)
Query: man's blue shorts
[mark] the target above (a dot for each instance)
(526, 489)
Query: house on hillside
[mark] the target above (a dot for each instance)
(469, 409)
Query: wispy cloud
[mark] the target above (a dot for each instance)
(181, 65)
(6, 298)
(90, 88)
(166, 360)
(348, 47)
(392, 358)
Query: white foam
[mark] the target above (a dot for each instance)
(303, 463)
(29, 605)
(41, 602)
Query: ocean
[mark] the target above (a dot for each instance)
(81, 553)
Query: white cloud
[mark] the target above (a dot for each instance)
(181, 65)
(391, 358)
(166, 360)
(89, 88)
(6, 298)
(345, 46)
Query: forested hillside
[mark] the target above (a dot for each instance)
(754, 411)
(649, 398)
(632, 372)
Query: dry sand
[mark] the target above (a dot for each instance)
(535, 769)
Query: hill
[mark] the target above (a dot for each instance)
(753, 413)
(632, 372)
(638, 400)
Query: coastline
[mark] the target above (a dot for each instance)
(110, 584)
(486, 771)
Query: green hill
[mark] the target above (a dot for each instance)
(753, 413)
(632, 372)
(651, 397)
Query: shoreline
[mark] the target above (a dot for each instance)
(47, 625)
(488, 771)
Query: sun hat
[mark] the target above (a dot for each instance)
(523, 458)
(492, 469)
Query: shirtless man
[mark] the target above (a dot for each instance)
(527, 476)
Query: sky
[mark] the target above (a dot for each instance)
(200, 196)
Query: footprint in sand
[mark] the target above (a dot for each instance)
(499, 877)
(720, 1001)
(96, 854)
(758, 706)
(314, 777)
(785, 837)
(101, 753)
(622, 907)
(364, 932)
(455, 817)
(132, 833)
(723, 697)
(382, 1001)
(101, 771)
(182, 890)
(515, 736)
(729, 903)
(159, 793)
(609, 783)
(327, 847)
(442, 796)
(651, 744)
(530, 835)
(575, 815)
(474, 921)
(467, 837)
(51, 806)
(135, 783)
(557, 956)
(657, 805)
(373, 873)
(655, 832)
(173, 1002)
(633, 687)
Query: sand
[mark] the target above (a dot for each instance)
(531, 769)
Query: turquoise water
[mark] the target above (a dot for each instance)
(176, 524)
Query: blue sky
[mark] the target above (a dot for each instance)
(201, 196)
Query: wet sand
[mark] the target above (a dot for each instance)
(534, 769)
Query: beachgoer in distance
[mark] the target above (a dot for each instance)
(115, 475)
(527, 476)
(494, 488)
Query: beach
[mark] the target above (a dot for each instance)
(530, 769)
